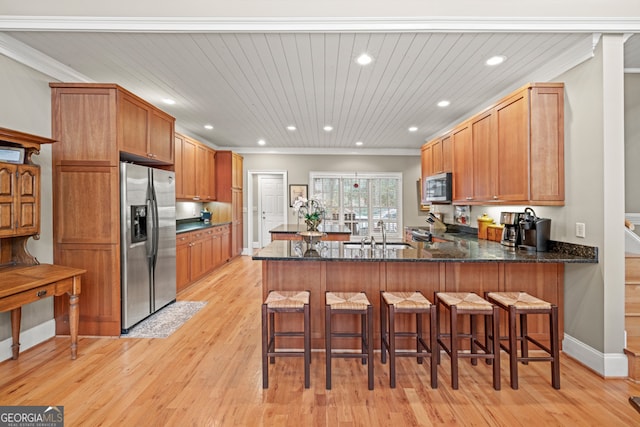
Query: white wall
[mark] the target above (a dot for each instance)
(26, 106)
(298, 167)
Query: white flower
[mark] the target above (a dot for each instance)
(299, 203)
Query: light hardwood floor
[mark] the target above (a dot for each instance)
(209, 373)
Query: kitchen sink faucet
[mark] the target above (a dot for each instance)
(384, 235)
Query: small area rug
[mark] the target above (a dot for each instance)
(166, 321)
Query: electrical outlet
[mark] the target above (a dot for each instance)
(580, 229)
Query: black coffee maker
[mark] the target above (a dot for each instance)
(534, 232)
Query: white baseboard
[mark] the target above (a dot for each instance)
(29, 338)
(609, 365)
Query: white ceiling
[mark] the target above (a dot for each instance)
(251, 85)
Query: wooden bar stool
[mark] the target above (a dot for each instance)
(392, 303)
(350, 303)
(462, 303)
(521, 304)
(282, 302)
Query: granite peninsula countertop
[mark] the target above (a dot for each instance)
(457, 247)
(184, 226)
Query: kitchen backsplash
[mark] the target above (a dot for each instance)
(220, 212)
(494, 212)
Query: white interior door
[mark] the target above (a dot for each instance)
(271, 205)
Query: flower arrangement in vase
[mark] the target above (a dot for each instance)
(311, 210)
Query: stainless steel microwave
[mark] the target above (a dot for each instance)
(437, 188)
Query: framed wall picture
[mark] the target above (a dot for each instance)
(296, 191)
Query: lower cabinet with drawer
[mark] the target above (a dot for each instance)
(199, 252)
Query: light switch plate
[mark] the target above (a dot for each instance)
(580, 229)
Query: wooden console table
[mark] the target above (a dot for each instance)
(20, 285)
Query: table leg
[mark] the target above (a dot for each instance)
(74, 309)
(16, 315)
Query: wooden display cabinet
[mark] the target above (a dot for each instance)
(19, 198)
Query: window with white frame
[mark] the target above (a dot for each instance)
(360, 201)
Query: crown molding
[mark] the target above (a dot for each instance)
(328, 24)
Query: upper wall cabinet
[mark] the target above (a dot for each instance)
(144, 131)
(115, 121)
(195, 169)
(228, 174)
(512, 152)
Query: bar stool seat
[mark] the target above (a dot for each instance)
(349, 303)
(521, 304)
(285, 302)
(412, 303)
(468, 303)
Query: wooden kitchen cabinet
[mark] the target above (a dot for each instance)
(236, 223)
(98, 125)
(102, 122)
(482, 131)
(510, 171)
(510, 153)
(229, 177)
(205, 172)
(546, 144)
(228, 174)
(196, 171)
(144, 131)
(436, 158)
(200, 252)
(183, 278)
(462, 174)
(426, 160)
(225, 243)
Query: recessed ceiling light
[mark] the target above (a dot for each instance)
(443, 103)
(495, 60)
(328, 128)
(413, 129)
(209, 127)
(261, 142)
(291, 128)
(359, 143)
(168, 101)
(364, 59)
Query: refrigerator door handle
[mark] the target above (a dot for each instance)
(155, 230)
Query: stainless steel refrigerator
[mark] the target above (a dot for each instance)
(148, 241)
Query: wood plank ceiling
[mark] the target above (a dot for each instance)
(251, 86)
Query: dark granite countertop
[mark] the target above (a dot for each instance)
(457, 247)
(325, 228)
(184, 226)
